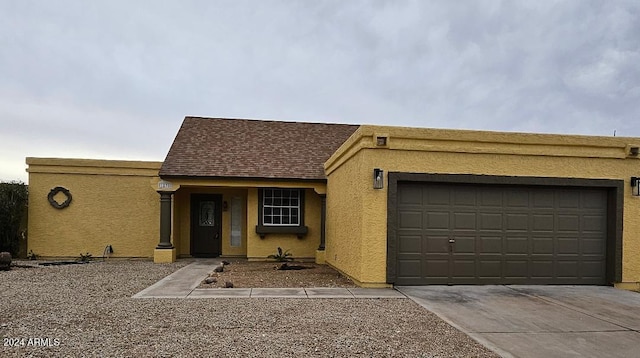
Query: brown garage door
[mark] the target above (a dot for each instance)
(487, 234)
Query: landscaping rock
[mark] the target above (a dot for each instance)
(89, 309)
(5, 261)
(219, 268)
(211, 280)
(265, 274)
(228, 284)
(286, 266)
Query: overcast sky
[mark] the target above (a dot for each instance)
(114, 79)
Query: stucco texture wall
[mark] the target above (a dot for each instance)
(345, 247)
(302, 249)
(350, 181)
(113, 203)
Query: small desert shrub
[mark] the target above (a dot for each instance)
(86, 257)
(281, 256)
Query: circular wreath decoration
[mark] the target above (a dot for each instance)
(55, 192)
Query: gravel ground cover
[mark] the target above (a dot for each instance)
(87, 311)
(256, 274)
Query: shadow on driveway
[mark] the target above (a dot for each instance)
(540, 321)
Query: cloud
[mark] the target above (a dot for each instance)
(59, 127)
(121, 75)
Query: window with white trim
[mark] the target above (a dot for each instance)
(281, 207)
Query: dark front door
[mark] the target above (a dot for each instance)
(206, 220)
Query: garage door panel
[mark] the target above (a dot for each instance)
(410, 220)
(517, 245)
(464, 268)
(542, 268)
(464, 221)
(594, 223)
(490, 221)
(568, 199)
(410, 268)
(592, 246)
(465, 196)
(411, 195)
(437, 220)
(568, 223)
(437, 244)
(410, 244)
(542, 245)
(592, 269)
(503, 234)
(464, 245)
(437, 268)
(488, 268)
(490, 245)
(568, 245)
(543, 222)
(517, 198)
(488, 199)
(567, 269)
(543, 199)
(592, 199)
(516, 268)
(517, 222)
(437, 197)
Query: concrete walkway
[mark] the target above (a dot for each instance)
(540, 321)
(184, 282)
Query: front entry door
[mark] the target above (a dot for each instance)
(206, 225)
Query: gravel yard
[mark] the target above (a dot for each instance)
(86, 310)
(243, 273)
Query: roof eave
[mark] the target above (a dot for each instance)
(241, 178)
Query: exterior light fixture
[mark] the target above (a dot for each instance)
(635, 186)
(378, 178)
(634, 151)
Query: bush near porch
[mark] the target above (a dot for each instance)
(13, 204)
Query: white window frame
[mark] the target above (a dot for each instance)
(276, 204)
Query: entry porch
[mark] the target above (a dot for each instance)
(248, 219)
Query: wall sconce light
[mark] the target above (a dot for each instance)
(225, 206)
(634, 151)
(635, 186)
(378, 178)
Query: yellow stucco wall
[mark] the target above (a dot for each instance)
(345, 241)
(304, 248)
(113, 203)
(357, 214)
(253, 247)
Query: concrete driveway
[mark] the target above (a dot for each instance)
(540, 321)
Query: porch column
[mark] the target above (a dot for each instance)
(165, 220)
(165, 252)
(323, 219)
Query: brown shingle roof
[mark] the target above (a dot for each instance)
(217, 147)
